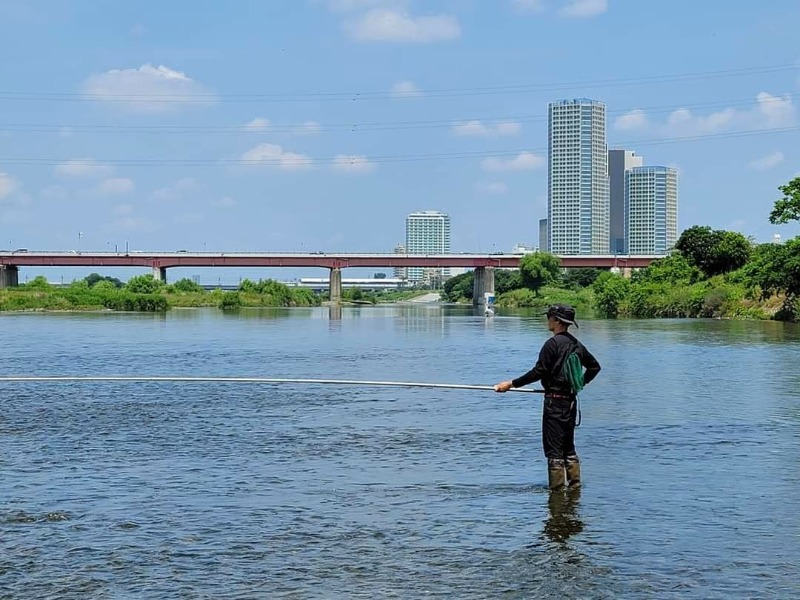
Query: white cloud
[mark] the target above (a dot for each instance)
(7, 185)
(123, 209)
(524, 161)
(584, 9)
(224, 202)
(769, 111)
(147, 89)
(494, 188)
(476, 128)
(769, 161)
(83, 167)
(258, 124)
(273, 155)
(635, 119)
(683, 123)
(353, 164)
(65, 132)
(308, 128)
(390, 25)
(115, 186)
(778, 111)
(406, 89)
(528, 6)
(176, 191)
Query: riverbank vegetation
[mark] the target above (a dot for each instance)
(715, 273)
(710, 273)
(144, 293)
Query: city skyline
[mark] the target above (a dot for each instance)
(602, 199)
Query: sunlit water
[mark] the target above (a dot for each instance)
(690, 444)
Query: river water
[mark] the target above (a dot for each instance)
(690, 445)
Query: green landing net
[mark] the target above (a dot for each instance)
(573, 371)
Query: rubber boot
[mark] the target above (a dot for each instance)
(573, 471)
(556, 474)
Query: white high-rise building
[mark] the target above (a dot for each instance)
(427, 232)
(577, 181)
(651, 210)
(619, 161)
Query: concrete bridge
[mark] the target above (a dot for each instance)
(159, 262)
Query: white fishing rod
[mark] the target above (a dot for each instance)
(253, 380)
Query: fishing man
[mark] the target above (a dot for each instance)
(560, 368)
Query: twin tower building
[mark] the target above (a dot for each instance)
(602, 201)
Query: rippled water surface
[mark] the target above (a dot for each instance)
(690, 444)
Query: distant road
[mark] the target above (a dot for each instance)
(427, 298)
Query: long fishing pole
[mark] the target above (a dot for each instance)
(266, 380)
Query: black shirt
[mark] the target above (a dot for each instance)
(551, 360)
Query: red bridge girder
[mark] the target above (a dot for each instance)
(342, 261)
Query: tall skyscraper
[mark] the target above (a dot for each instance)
(427, 232)
(651, 209)
(577, 179)
(619, 161)
(544, 244)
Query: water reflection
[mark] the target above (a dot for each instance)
(564, 520)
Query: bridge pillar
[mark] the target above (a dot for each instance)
(484, 282)
(336, 285)
(160, 274)
(9, 276)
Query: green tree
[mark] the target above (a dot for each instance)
(580, 278)
(187, 285)
(696, 244)
(787, 208)
(610, 291)
(104, 286)
(38, 283)
(143, 284)
(731, 251)
(538, 269)
(459, 287)
(714, 251)
(95, 278)
(505, 281)
(775, 269)
(673, 269)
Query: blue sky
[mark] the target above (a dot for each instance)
(284, 125)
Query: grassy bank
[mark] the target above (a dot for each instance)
(145, 294)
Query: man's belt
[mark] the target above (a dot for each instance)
(559, 396)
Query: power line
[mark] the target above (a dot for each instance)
(300, 161)
(360, 127)
(204, 98)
